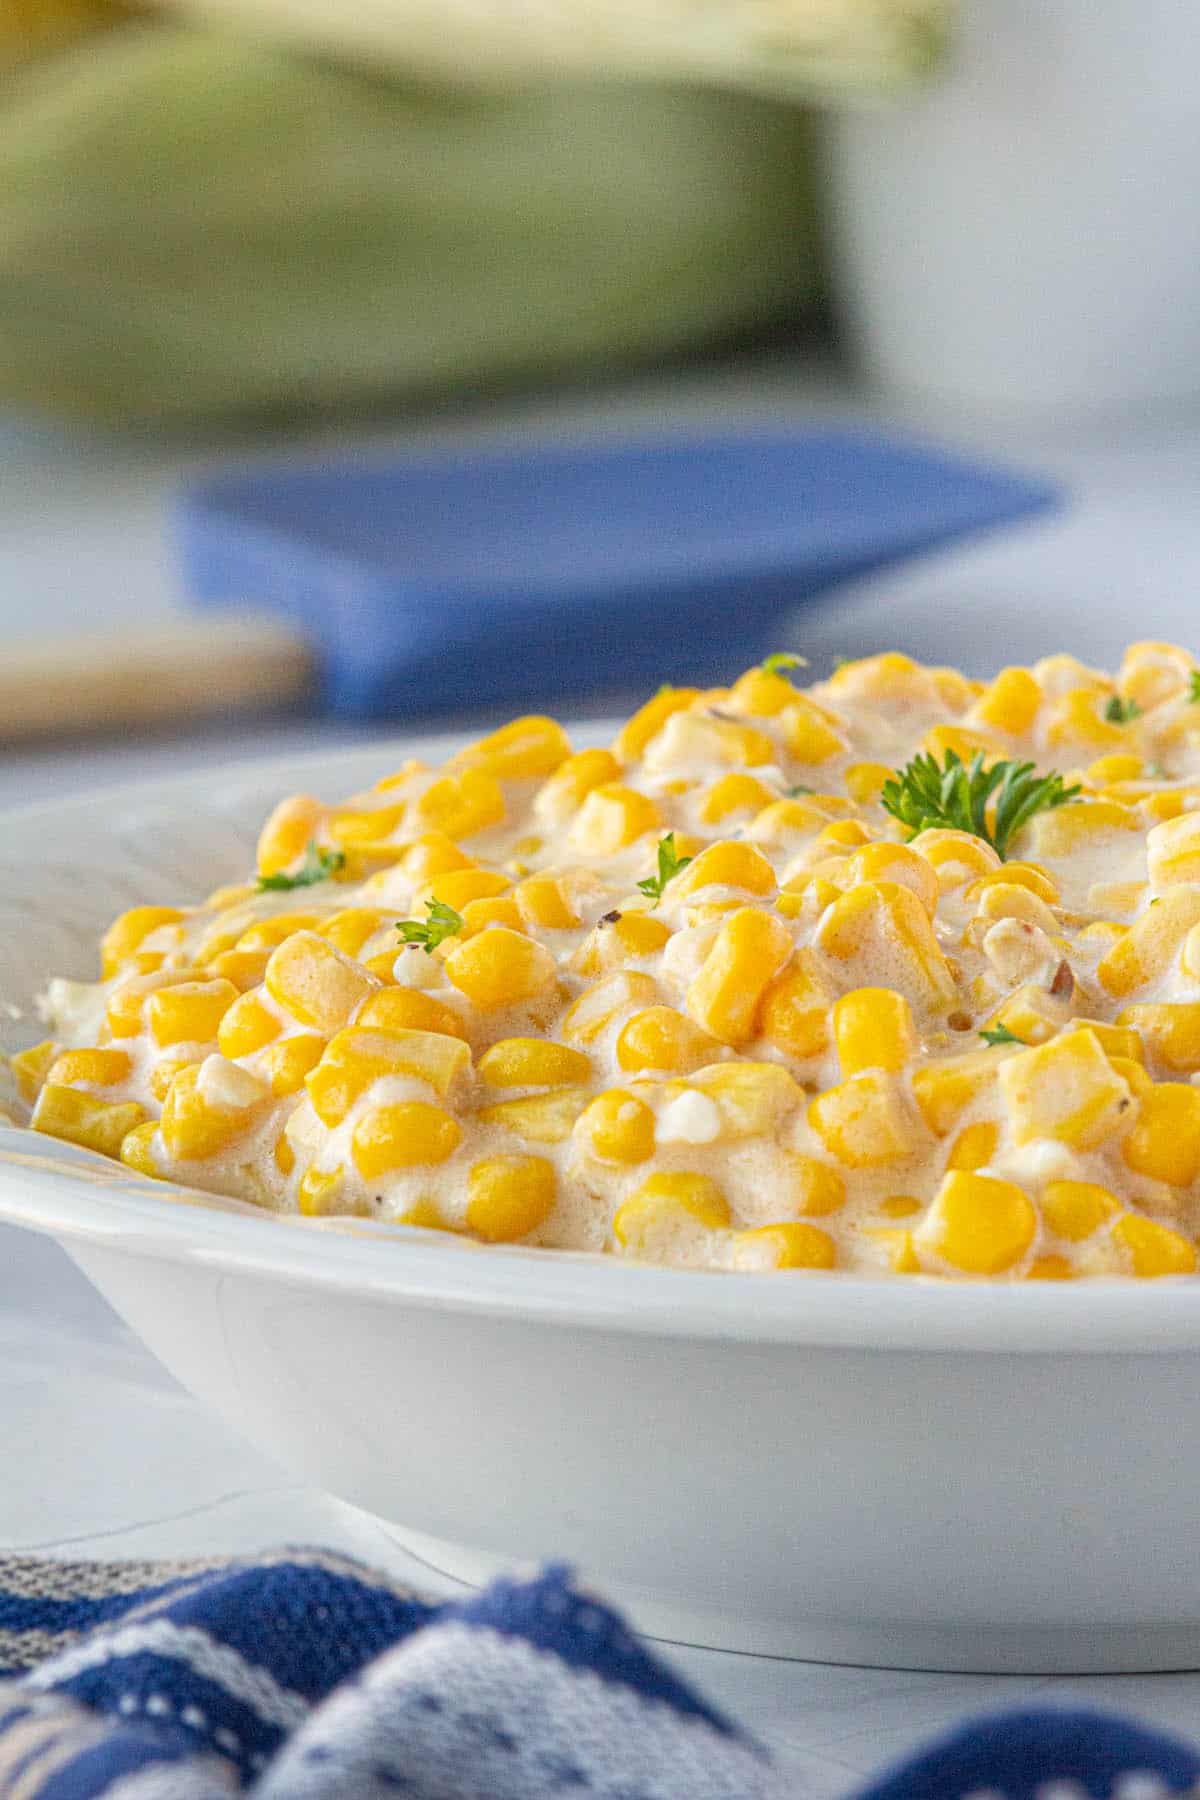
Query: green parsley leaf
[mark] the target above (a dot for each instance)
(1121, 712)
(1194, 687)
(669, 865)
(795, 792)
(956, 796)
(1002, 1035)
(318, 865)
(780, 661)
(443, 922)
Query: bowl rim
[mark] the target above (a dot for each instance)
(87, 1202)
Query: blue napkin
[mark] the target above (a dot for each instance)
(302, 1675)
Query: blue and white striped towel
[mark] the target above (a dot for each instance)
(305, 1675)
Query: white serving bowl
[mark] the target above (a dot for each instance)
(912, 1473)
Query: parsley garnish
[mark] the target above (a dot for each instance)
(318, 865)
(956, 797)
(443, 922)
(1121, 712)
(780, 661)
(1000, 1034)
(795, 792)
(1194, 686)
(669, 865)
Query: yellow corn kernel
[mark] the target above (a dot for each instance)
(1010, 703)
(726, 864)
(510, 1196)
(480, 915)
(1020, 874)
(356, 1058)
(901, 1206)
(287, 1064)
(461, 805)
(794, 1013)
(401, 1009)
(267, 934)
(699, 738)
(572, 782)
(1065, 1089)
(190, 1012)
(975, 1146)
(292, 826)
(1134, 1073)
(806, 899)
(863, 1122)
(31, 1067)
(621, 938)
(194, 1129)
(649, 720)
(245, 968)
(663, 1203)
(318, 1192)
(1012, 900)
(126, 934)
(873, 1029)
(895, 863)
(598, 1005)
(1154, 1249)
(789, 1245)
(966, 745)
(751, 1097)
(163, 1074)
(889, 676)
(808, 734)
(944, 1089)
(1031, 1014)
(955, 856)
(813, 1186)
(499, 967)
(1153, 672)
(533, 1062)
(617, 1127)
(883, 920)
(79, 1118)
(612, 817)
(1103, 931)
(424, 1215)
(977, 1224)
(1075, 1209)
(1147, 948)
(1080, 824)
(664, 1040)
(543, 900)
(403, 1136)
(246, 1027)
(90, 1068)
(749, 951)
(433, 853)
(1107, 770)
(844, 834)
(784, 821)
(1173, 850)
(1050, 1268)
(541, 1118)
(864, 781)
(761, 693)
(457, 887)
(1117, 896)
(1170, 1032)
(285, 1156)
(1158, 808)
(955, 689)
(137, 1149)
(733, 794)
(1075, 718)
(1165, 1140)
(522, 750)
(366, 826)
(316, 983)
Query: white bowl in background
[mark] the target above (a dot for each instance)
(913, 1473)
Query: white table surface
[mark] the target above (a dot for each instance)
(103, 1453)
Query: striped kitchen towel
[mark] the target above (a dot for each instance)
(302, 1674)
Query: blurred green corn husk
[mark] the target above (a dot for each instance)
(194, 226)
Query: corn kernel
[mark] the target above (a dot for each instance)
(873, 1029)
(895, 863)
(863, 1122)
(944, 1089)
(572, 782)
(955, 856)
(1050, 1268)
(813, 1186)
(128, 933)
(751, 1097)
(246, 1027)
(1012, 900)
(189, 1012)
(882, 919)
(901, 1206)
(864, 781)
(90, 1068)
(808, 733)
(784, 821)
(318, 1192)
(1173, 850)
(966, 745)
(1170, 1032)
(30, 1067)
(194, 1129)
(1079, 825)
(533, 1062)
(245, 968)
(1031, 1014)
(285, 1156)
(598, 1005)
(366, 827)
(356, 1058)
(749, 951)
(726, 864)
(975, 1146)
(789, 1245)
(1023, 874)
(1154, 1249)
(611, 818)
(164, 1072)
(977, 1224)
(423, 1215)
(1074, 718)
(137, 1149)
(1148, 947)
(544, 901)
(1153, 672)
(844, 834)
(889, 676)
(499, 967)
(662, 1039)
(1010, 703)
(649, 720)
(461, 805)
(733, 794)
(1067, 1090)
(293, 825)
(663, 1203)
(761, 693)
(403, 1136)
(316, 983)
(510, 1196)
(1165, 1140)
(794, 1014)
(433, 853)
(480, 915)
(541, 1118)
(618, 1127)
(522, 750)
(287, 1064)
(629, 936)
(79, 1118)
(268, 934)
(1075, 1209)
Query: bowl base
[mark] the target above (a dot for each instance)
(966, 1648)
